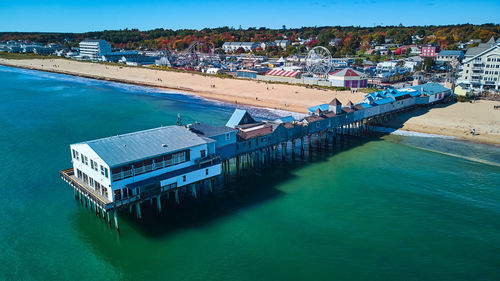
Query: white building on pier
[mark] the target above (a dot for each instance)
(145, 163)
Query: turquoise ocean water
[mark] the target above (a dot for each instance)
(384, 208)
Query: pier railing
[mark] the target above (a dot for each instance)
(68, 176)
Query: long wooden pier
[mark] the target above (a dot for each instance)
(259, 145)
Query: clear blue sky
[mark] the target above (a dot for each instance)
(92, 15)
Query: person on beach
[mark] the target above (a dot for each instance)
(473, 132)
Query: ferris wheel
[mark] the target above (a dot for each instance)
(319, 61)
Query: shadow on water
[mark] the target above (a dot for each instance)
(254, 188)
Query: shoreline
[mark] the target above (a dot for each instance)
(247, 92)
(179, 91)
(383, 128)
(454, 120)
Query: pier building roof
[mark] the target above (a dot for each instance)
(348, 109)
(364, 105)
(384, 101)
(239, 117)
(313, 118)
(285, 119)
(330, 114)
(123, 149)
(431, 88)
(335, 101)
(358, 106)
(257, 130)
(322, 107)
(209, 130)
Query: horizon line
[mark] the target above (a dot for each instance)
(261, 27)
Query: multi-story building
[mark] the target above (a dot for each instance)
(430, 51)
(482, 71)
(94, 49)
(282, 43)
(481, 47)
(450, 55)
(136, 164)
(233, 46)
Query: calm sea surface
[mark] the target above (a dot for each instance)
(388, 208)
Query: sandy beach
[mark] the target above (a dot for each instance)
(247, 92)
(455, 120)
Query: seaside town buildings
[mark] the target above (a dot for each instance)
(239, 60)
(234, 46)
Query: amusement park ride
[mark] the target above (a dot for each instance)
(318, 62)
(192, 56)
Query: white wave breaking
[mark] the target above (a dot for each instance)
(399, 132)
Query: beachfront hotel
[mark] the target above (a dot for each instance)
(93, 49)
(482, 67)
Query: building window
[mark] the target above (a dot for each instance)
(118, 194)
(91, 164)
(184, 178)
(203, 153)
(102, 170)
(227, 136)
(74, 153)
(106, 172)
(83, 159)
(206, 172)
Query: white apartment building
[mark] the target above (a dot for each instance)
(93, 49)
(233, 46)
(482, 71)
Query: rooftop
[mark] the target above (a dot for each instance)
(209, 130)
(451, 53)
(321, 107)
(430, 88)
(346, 72)
(123, 149)
(239, 117)
(335, 101)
